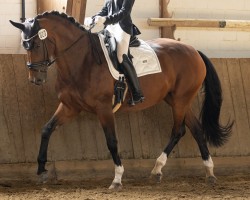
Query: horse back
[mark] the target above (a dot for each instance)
(177, 59)
(183, 72)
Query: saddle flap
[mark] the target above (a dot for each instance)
(134, 42)
(111, 46)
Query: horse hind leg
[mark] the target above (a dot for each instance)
(195, 127)
(178, 131)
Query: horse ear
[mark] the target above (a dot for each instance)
(18, 25)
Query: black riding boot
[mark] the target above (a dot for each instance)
(131, 76)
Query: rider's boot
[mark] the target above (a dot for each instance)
(131, 76)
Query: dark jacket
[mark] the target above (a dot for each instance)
(121, 12)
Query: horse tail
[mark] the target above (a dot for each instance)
(215, 133)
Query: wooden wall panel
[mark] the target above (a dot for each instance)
(135, 136)
(245, 74)
(25, 108)
(231, 147)
(11, 149)
(239, 104)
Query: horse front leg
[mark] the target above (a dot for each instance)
(42, 156)
(61, 115)
(106, 118)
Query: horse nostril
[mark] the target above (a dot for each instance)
(39, 81)
(32, 80)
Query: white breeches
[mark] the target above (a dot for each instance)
(122, 39)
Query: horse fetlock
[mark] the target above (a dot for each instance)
(117, 182)
(159, 177)
(209, 167)
(43, 177)
(41, 168)
(209, 171)
(156, 170)
(211, 180)
(119, 170)
(115, 186)
(160, 163)
(156, 177)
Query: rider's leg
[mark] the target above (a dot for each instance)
(131, 76)
(122, 39)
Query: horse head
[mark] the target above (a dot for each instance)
(48, 37)
(35, 41)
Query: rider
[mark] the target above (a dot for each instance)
(115, 16)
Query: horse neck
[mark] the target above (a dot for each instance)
(62, 32)
(72, 46)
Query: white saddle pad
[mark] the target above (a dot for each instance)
(145, 59)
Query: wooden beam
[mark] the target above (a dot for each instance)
(166, 32)
(202, 23)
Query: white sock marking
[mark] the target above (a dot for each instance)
(118, 174)
(209, 165)
(160, 163)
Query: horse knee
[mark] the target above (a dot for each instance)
(46, 132)
(48, 129)
(182, 131)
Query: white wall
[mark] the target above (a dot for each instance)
(10, 36)
(215, 43)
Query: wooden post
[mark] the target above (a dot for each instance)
(166, 32)
(77, 9)
(69, 7)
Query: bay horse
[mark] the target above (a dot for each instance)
(83, 84)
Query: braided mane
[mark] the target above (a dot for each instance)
(64, 16)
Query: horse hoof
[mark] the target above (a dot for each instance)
(43, 177)
(157, 177)
(211, 180)
(115, 186)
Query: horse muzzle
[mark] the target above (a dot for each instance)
(37, 77)
(37, 81)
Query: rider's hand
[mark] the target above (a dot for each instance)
(99, 20)
(88, 21)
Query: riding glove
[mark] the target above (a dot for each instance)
(99, 20)
(88, 21)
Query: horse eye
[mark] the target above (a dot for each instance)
(28, 45)
(37, 45)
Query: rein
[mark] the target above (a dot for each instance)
(65, 50)
(94, 47)
(39, 66)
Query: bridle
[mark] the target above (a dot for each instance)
(42, 66)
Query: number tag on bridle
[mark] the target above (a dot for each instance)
(42, 34)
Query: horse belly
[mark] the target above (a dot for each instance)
(155, 88)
